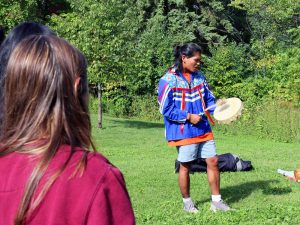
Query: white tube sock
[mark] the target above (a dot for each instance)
(216, 198)
(185, 200)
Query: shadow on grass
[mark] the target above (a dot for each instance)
(137, 124)
(236, 193)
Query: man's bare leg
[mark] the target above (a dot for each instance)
(213, 175)
(184, 185)
(184, 180)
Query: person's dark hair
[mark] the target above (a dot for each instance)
(16, 35)
(2, 35)
(188, 50)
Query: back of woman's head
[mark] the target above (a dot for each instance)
(45, 106)
(188, 50)
(46, 94)
(17, 34)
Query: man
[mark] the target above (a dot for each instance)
(186, 103)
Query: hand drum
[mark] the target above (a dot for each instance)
(229, 111)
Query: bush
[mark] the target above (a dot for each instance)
(93, 104)
(142, 107)
(119, 107)
(146, 108)
(227, 68)
(279, 121)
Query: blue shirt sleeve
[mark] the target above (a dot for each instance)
(209, 98)
(166, 104)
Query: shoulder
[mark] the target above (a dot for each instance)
(112, 197)
(110, 193)
(99, 169)
(169, 77)
(199, 76)
(97, 162)
(97, 166)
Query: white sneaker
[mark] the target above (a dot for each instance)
(190, 207)
(221, 206)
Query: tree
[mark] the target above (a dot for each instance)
(13, 12)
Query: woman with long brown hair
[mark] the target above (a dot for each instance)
(16, 35)
(48, 174)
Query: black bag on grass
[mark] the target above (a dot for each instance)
(227, 163)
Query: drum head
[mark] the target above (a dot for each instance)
(229, 111)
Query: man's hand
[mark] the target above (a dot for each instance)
(193, 118)
(220, 102)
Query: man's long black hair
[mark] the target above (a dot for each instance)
(188, 50)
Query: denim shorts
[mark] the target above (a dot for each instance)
(187, 153)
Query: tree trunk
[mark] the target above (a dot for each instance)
(99, 107)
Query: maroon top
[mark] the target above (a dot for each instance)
(97, 197)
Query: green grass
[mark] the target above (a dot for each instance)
(260, 196)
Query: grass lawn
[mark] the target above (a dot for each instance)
(260, 196)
